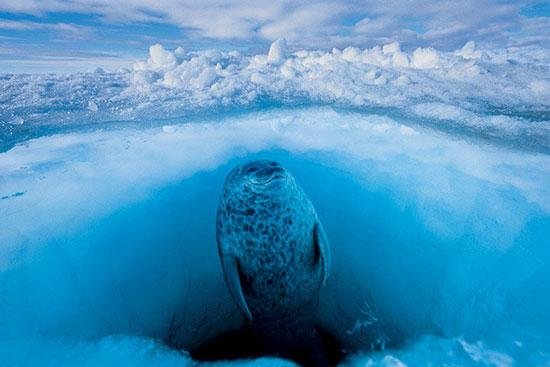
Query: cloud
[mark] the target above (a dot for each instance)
(533, 31)
(304, 21)
(64, 29)
(442, 23)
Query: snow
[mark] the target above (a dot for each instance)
(175, 84)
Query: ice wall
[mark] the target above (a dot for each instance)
(111, 232)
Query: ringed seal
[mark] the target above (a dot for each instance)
(274, 253)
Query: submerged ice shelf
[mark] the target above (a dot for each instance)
(440, 243)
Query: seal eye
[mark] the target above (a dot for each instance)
(251, 169)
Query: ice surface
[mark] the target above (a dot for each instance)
(509, 85)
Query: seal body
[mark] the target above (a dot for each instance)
(274, 252)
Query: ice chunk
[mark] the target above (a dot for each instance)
(425, 58)
(469, 51)
(179, 52)
(400, 59)
(92, 106)
(391, 48)
(17, 121)
(205, 78)
(540, 87)
(277, 52)
(160, 57)
(351, 54)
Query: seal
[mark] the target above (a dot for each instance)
(274, 253)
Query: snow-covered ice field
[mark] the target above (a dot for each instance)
(430, 171)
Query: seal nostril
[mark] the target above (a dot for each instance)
(264, 173)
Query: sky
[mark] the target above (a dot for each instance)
(70, 35)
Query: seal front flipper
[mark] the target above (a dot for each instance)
(233, 279)
(321, 246)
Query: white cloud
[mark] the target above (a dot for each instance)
(377, 26)
(65, 29)
(534, 30)
(443, 23)
(303, 21)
